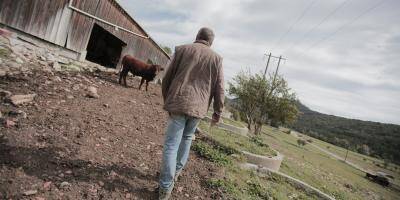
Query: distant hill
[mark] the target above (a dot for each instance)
(366, 137)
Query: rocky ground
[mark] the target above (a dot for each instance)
(74, 133)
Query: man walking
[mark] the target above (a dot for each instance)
(193, 79)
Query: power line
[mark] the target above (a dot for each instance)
(304, 36)
(295, 23)
(346, 24)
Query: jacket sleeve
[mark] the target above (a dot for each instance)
(218, 93)
(168, 77)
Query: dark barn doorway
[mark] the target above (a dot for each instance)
(104, 48)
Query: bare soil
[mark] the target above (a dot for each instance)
(71, 146)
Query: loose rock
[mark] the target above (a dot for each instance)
(56, 66)
(30, 192)
(18, 113)
(65, 184)
(21, 99)
(19, 60)
(2, 73)
(8, 123)
(47, 185)
(92, 92)
(5, 93)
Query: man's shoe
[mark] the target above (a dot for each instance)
(164, 194)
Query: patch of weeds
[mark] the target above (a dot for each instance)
(258, 141)
(214, 155)
(257, 190)
(4, 53)
(226, 186)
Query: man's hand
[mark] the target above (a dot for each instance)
(215, 119)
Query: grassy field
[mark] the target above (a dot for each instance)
(328, 174)
(243, 184)
(306, 163)
(235, 141)
(366, 162)
(233, 122)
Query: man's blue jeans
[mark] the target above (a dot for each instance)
(177, 143)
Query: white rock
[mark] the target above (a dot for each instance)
(64, 184)
(57, 78)
(20, 99)
(92, 92)
(2, 73)
(19, 60)
(56, 66)
(30, 192)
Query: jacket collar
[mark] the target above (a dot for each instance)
(203, 42)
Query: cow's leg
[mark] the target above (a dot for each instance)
(147, 84)
(125, 75)
(141, 83)
(122, 76)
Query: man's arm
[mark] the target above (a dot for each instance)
(219, 94)
(168, 77)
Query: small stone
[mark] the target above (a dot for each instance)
(47, 185)
(56, 66)
(58, 79)
(5, 93)
(68, 172)
(128, 195)
(61, 175)
(2, 73)
(14, 65)
(70, 97)
(65, 184)
(18, 113)
(40, 198)
(8, 123)
(92, 92)
(30, 192)
(179, 189)
(106, 105)
(75, 87)
(21, 99)
(19, 60)
(101, 183)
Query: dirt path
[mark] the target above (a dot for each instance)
(73, 147)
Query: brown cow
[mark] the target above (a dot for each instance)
(138, 68)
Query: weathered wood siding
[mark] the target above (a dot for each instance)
(53, 21)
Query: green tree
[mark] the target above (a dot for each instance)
(261, 99)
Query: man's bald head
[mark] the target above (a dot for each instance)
(205, 34)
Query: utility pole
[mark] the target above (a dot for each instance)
(268, 61)
(277, 68)
(266, 67)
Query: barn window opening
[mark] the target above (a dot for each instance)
(104, 48)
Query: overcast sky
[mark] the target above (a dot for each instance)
(342, 55)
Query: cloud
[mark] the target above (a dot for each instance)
(353, 73)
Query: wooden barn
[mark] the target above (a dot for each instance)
(99, 31)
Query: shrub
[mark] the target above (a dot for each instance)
(301, 142)
(211, 154)
(258, 141)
